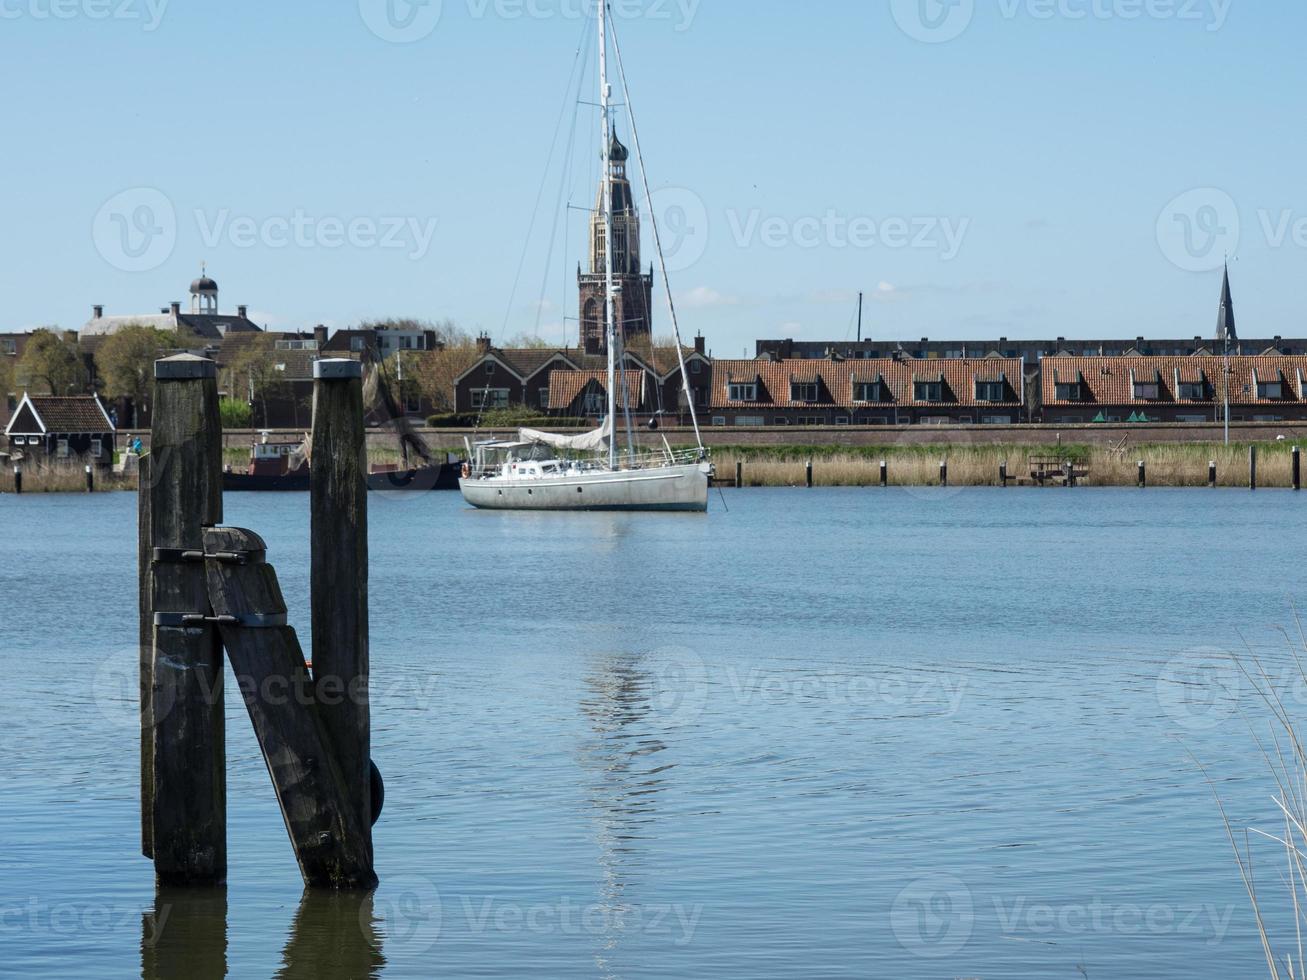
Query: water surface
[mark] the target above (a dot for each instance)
(844, 733)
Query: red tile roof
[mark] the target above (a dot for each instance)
(835, 381)
(1108, 380)
(566, 386)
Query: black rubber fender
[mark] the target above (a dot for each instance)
(378, 792)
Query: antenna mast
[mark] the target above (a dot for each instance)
(605, 98)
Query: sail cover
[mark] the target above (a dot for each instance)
(598, 439)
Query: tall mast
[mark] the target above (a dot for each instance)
(859, 319)
(605, 98)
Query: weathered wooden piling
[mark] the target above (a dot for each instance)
(943, 472)
(884, 473)
(339, 575)
(1002, 474)
(1252, 467)
(1211, 473)
(188, 803)
(144, 559)
(18, 479)
(739, 473)
(1143, 475)
(90, 480)
(1297, 469)
(809, 474)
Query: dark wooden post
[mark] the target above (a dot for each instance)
(809, 474)
(1252, 467)
(339, 577)
(1297, 469)
(943, 472)
(1002, 474)
(18, 479)
(1211, 473)
(884, 473)
(739, 473)
(90, 480)
(1143, 475)
(189, 806)
(144, 558)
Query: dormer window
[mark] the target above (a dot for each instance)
(1270, 389)
(739, 391)
(1195, 391)
(1147, 389)
(928, 391)
(991, 391)
(869, 391)
(1146, 386)
(803, 391)
(1067, 391)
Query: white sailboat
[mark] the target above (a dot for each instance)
(544, 471)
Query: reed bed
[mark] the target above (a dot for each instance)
(64, 479)
(1166, 465)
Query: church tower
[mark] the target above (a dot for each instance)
(633, 290)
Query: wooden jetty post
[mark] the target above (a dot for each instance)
(1211, 473)
(1297, 469)
(1252, 467)
(1002, 474)
(943, 472)
(144, 561)
(339, 575)
(1143, 475)
(809, 474)
(739, 473)
(18, 479)
(884, 473)
(90, 480)
(188, 802)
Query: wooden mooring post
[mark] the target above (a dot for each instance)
(188, 793)
(1252, 467)
(884, 473)
(206, 583)
(1002, 474)
(339, 575)
(943, 472)
(739, 473)
(1211, 473)
(1143, 475)
(809, 474)
(1297, 469)
(18, 479)
(90, 480)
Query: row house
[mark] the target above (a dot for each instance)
(881, 391)
(1262, 388)
(571, 384)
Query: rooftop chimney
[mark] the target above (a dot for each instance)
(243, 312)
(176, 309)
(699, 344)
(319, 334)
(483, 344)
(97, 311)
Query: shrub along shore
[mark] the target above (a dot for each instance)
(1166, 465)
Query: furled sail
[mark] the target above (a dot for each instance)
(598, 439)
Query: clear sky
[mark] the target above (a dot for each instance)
(979, 167)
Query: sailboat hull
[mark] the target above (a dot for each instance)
(666, 488)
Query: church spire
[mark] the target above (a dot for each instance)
(1225, 328)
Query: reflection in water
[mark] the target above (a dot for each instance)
(333, 937)
(185, 935)
(626, 784)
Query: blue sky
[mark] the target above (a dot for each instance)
(979, 167)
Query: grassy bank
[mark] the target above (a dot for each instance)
(64, 479)
(1168, 465)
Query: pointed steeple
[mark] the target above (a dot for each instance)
(1225, 328)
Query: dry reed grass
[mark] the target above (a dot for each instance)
(1176, 465)
(64, 479)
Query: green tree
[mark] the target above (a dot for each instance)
(6, 375)
(253, 371)
(125, 363)
(235, 413)
(49, 363)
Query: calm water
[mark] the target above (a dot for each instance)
(828, 734)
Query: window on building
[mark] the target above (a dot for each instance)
(928, 391)
(1194, 392)
(544, 397)
(61, 447)
(996, 420)
(8, 346)
(990, 391)
(742, 392)
(97, 447)
(868, 391)
(719, 420)
(953, 355)
(1147, 389)
(696, 367)
(1270, 389)
(413, 405)
(489, 398)
(1067, 392)
(356, 344)
(406, 343)
(804, 391)
(490, 367)
(595, 403)
(751, 421)
(841, 420)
